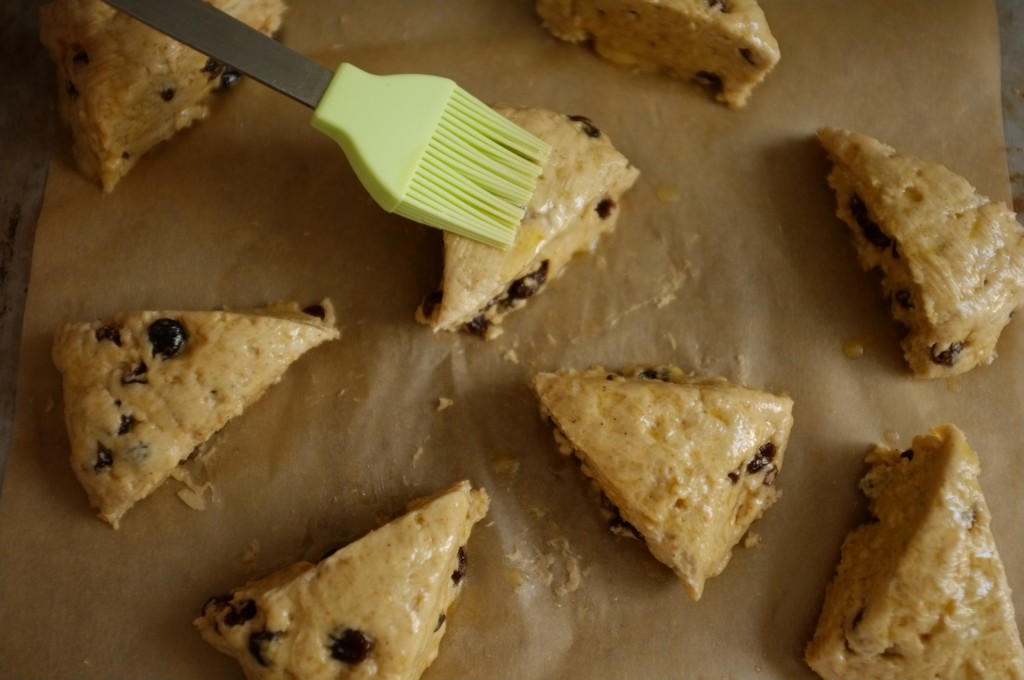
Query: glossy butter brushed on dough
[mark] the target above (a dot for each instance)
(920, 592)
(376, 608)
(724, 44)
(689, 462)
(577, 200)
(952, 261)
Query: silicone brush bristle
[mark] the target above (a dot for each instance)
(476, 174)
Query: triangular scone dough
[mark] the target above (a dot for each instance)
(952, 261)
(689, 463)
(576, 201)
(124, 87)
(143, 389)
(374, 609)
(920, 592)
(724, 44)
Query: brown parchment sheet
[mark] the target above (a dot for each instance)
(727, 260)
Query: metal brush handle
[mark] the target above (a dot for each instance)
(230, 41)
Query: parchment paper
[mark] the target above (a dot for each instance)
(747, 274)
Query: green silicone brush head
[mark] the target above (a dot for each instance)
(431, 152)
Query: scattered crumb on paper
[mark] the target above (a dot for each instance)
(570, 564)
(251, 552)
(192, 499)
(752, 540)
(506, 465)
(565, 447)
(444, 403)
(663, 296)
(194, 494)
(557, 569)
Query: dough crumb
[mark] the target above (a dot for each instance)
(571, 566)
(510, 355)
(192, 499)
(667, 294)
(540, 568)
(251, 552)
(533, 567)
(752, 540)
(444, 403)
(194, 493)
(565, 447)
(506, 465)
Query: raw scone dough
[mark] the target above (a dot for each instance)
(920, 592)
(377, 608)
(688, 463)
(576, 201)
(124, 87)
(143, 389)
(952, 261)
(724, 44)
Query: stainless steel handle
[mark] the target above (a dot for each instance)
(212, 32)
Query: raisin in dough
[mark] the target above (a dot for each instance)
(377, 608)
(576, 201)
(725, 44)
(124, 87)
(688, 463)
(920, 592)
(143, 389)
(952, 261)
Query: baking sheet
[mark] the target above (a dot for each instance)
(747, 275)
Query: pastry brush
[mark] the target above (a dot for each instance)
(423, 147)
